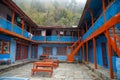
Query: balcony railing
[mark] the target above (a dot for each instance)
(7, 25)
(55, 38)
(111, 11)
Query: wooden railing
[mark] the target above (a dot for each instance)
(106, 26)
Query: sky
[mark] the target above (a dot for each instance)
(82, 1)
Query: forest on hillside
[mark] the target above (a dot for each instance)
(52, 12)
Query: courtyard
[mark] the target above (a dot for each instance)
(65, 71)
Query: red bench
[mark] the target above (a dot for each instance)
(44, 56)
(55, 62)
(42, 67)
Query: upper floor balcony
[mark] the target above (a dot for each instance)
(111, 11)
(7, 25)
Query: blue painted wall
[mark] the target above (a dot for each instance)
(12, 50)
(40, 50)
(54, 50)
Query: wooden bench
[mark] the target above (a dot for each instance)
(44, 56)
(42, 67)
(55, 62)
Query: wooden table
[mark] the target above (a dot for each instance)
(42, 67)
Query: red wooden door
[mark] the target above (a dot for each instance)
(18, 52)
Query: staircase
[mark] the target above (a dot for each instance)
(115, 43)
(115, 40)
(73, 50)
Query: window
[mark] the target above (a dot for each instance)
(47, 50)
(4, 47)
(61, 51)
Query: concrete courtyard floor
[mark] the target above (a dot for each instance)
(65, 71)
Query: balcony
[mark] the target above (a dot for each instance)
(111, 11)
(55, 38)
(7, 25)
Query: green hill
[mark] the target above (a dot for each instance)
(52, 12)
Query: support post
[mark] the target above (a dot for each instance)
(91, 14)
(23, 27)
(13, 20)
(58, 36)
(82, 31)
(108, 41)
(30, 30)
(94, 46)
(110, 54)
(72, 35)
(87, 52)
(103, 6)
(86, 25)
(78, 34)
(83, 51)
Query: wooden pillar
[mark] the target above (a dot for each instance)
(82, 31)
(13, 20)
(23, 27)
(72, 35)
(103, 6)
(110, 55)
(86, 26)
(30, 30)
(45, 35)
(108, 41)
(58, 35)
(94, 46)
(83, 52)
(78, 34)
(35, 32)
(87, 52)
(91, 13)
(20, 56)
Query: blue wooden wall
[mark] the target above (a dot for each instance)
(54, 51)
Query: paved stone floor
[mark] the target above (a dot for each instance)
(65, 71)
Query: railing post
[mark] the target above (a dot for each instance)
(78, 34)
(72, 35)
(13, 20)
(91, 14)
(94, 46)
(58, 36)
(86, 25)
(82, 31)
(23, 27)
(87, 52)
(83, 51)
